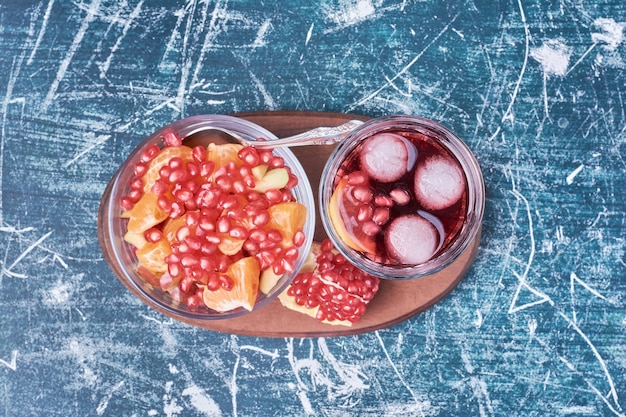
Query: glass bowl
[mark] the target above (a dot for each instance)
(368, 247)
(120, 255)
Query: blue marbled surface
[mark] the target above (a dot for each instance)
(536, 89)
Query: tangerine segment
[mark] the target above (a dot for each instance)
(163, 159)
(223, 153)
(343, 213)
(152, 256)
(288, 218)
(245, 274)
(171, 227)
(145, 214)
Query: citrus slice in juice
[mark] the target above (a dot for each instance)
(152, 256)
(162, 159)
(288, 218)
(343, 214)
(245, 274)
(145, 214)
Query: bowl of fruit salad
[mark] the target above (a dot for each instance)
(401, 197)
(201, 228)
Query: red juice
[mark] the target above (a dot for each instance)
(401, 206)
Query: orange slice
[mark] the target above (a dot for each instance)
(171, 227)
(288, 218)
(223, 153)
(343, 214)
(152, 256)
(245, 274)
(145, 214)
(229, 245)
(162, 159)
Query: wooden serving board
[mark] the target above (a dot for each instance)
(395, 301)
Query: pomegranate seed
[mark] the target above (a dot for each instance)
(239, 187)
(277, 162)
(189, 261)
(226, 282)
(383, 201)
(249, 155)
(292, 182)
(164, 204)
(140, 168)
(198, 153)
(400, 196)
(261, 219)
(212, 237)
(381, 215)
(174, 269)
(193, 301)
(265, 156)
(278, 267)
(224, 183)
(193, 169)
(274, 196)
(165, 172)
(265, 258)
(275, 236)
(299, 238)
(223, 263)
(213, 282)
(172, 139)
(153, 234)
(258, 235)
(126, 203)
(182, 233)
(208, 248)
(176, 162)
(229, 201)
(206, 168)
(177, 175)
(183, 195)
(159, 187)
(194, 243)
(149, 153)
(238, 232)
(206, 224)
(362, 193)
(136, 183)
(135, 195)
(186, 284)
(208, 198)
(223, 225)
(249, 181)
(291, 254)
(364, 213)
(287, 197)
(251, 247)
(192, 217)
(177, 210)
(357, 178)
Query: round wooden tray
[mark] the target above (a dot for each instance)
(395, 301)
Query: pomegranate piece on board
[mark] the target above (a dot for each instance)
(333, 291)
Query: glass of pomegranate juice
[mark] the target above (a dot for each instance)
(402, 197)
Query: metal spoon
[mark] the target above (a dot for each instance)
(318, 136)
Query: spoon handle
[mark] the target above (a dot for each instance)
(318, 136)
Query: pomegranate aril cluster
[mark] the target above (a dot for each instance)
(339, 289)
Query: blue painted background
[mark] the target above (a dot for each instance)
(536, 89)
